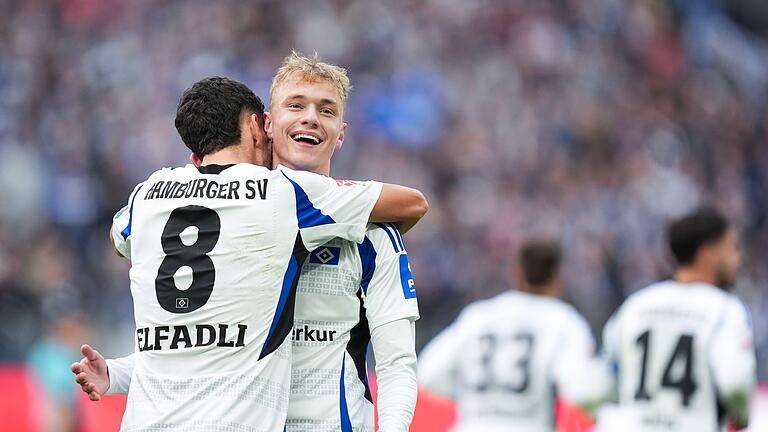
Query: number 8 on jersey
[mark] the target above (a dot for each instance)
(178, 255)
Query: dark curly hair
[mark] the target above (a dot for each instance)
(208, 115)
(687, 234)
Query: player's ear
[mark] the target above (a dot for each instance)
(254, 126)
(196, 161)
(704, 254)
(340, 141)
(268, 124)
(557, 285)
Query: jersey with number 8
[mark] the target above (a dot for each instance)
(678, 347)
(215, 255)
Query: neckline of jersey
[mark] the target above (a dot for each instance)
(213, 168)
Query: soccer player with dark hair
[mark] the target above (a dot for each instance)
(349, 295)
(683, 348)
(506, 358)
(216, 251)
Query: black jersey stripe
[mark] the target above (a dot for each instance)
(282, 323)
(357, 347)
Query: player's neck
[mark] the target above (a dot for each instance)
(230, 155)
(694, 275)
(545, 290)
(323, 170)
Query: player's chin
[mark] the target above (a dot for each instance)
(305, 162)
(306, 149)
(726, 282)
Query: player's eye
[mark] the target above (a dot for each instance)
(294, 105)
(327, 111)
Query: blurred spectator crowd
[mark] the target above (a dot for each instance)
(593, 120)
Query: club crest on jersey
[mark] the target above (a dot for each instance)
(182, 303)
(328, 255)
(406, 277)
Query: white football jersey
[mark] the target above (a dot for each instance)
(216, 253)
(677, 346)
(346, 289)
(504, 358)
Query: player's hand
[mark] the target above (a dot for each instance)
(91, 373)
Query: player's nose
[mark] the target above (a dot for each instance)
(310, 117)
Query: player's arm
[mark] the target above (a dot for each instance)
(732, 359)
(609, 355)
(122, 222)
(399, 204)
(582, 378)
(114, 246)
(327, 208)
(119, 373)
(394, 349)
(391, 308)
(438, 367)
(97, 376)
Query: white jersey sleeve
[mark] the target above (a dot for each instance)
(394, 349)
(732, 358)
(611, 344)
(438, 368)
(122, 223)
(609, 355)
(580, 376)
(120, 371)
(389, 292)
(327, 209)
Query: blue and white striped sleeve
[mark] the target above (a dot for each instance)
(328, 209)
(122, 223)
(389, 291)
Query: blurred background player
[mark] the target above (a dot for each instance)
(50, 357)
(683, 348)
(505, 359)
(216, 250)
(348, 293)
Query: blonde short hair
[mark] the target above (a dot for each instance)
(312, 69)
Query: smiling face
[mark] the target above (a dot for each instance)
(306, 124)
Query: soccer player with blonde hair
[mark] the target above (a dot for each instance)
(349, 293)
